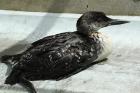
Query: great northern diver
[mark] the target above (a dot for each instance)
(62, 55)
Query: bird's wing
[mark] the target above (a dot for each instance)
(74, 61)
(49, 46)
(88, 64)
(71, 67)
(52, 39)
(49, 43)
(61, 59)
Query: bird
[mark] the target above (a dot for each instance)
(62, 55)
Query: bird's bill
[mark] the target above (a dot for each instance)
(117, 22)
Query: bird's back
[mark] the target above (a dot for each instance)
(57, 56)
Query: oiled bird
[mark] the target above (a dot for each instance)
(62, 55)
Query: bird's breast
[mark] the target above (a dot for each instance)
(105, 44)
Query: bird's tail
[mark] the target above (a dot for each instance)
(10, 59)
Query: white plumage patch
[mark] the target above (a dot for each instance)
(106, 44)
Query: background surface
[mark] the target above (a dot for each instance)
(113, 7)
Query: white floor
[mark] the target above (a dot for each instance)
(120, 74)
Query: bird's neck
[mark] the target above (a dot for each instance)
(88, 33)
(92, 33)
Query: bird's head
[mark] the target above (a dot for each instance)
(92, 21)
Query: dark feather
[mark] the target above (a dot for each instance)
(56, 56)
